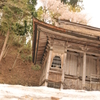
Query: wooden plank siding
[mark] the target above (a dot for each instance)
(82, 58)
(91, 66)
(71, 64)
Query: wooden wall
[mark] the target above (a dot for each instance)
(71, 69)
(99, 68)
(81, 66)
(70, 83)
(71, 64)
(43, 74)
(91, 66)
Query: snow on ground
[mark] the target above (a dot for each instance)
(18, 92)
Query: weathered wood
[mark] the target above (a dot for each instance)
(36, 46)
(80, 51)
(82, 46)
(73, 53)
(69, 65)
(84, 70)
(90, 56)
(39, 52)
(48, 66)
(41, 46)
(44, 39)
(55, 77)
(98, 66)
(42, 42)
(78, 68)
(42, 78)
(70, 76)
(54, 81)
(44, 54)
(63, 68)
(91, 64)
(75, 42)
(52, 71)
(78, 65)
(80, 43)
(91, 53)
(55, 69)
(55, 34)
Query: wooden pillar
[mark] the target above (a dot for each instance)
(98, 65)
(97, 71)
(64, 65)
(84, 70)
(48, 66)
(78, 64)
(78, 69)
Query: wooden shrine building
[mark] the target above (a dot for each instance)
(69, 55)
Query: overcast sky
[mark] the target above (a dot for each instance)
(91, 9)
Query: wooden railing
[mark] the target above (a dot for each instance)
(94, 79)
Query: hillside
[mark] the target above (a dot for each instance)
(22, 73)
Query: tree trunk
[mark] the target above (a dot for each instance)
(15, 61)
(3, 48)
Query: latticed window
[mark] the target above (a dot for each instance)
(56, 62)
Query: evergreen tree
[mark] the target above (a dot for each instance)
(75, 5)
(16, 18)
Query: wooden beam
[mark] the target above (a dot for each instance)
(77, 42)
(70, 49)
(84, 70)
(57, 72)
(80, 51)
(79, 45)
(76, 45)
(59, 35)
(73, 53)
(91, 53)
(37, 44)
(90, 56)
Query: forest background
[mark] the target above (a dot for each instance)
(16, 21)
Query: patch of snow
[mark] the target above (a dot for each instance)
(18, 92)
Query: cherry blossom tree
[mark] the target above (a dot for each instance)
(55, 9)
